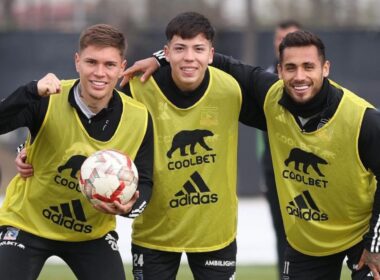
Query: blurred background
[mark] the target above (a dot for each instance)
(40, 36)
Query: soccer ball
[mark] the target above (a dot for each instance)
(108, 176)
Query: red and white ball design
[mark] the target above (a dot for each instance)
(108, 176)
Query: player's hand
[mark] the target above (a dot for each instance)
(145, 66)
(372, 260)
(48, 85)
(24, 169)
(117, 208)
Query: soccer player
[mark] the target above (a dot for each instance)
(195, 110)
(324, 144)
(323, 140)
(193, 209)
(46, 215)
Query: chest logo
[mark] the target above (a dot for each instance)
(189, 138)
(72, 165)
(307, 159)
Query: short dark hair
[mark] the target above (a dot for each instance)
(103, 35)
(288, 23)
(302, 38)
(188, 25)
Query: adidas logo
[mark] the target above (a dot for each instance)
(189, 194)
(305, 208)
(62, 215)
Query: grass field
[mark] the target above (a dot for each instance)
(62, 272)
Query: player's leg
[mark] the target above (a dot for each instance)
(96, 259)
(22, 255)
(298, 266)
(214, 265)
(149, 264)
(353, 257)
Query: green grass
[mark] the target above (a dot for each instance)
(249, 272)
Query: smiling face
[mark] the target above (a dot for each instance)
(189, 59)
(302, 69)
(99, 69)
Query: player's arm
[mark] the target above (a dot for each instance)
(25, 107)
(146, 67)
(254, 83)
(369, 150)
(144, 165)
(17, 110)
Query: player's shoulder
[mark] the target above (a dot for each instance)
(128, 100)
(372, 117)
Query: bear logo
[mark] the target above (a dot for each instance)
(307, 159)
(190, 138)
(74, 163)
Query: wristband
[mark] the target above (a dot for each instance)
(160, 58)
